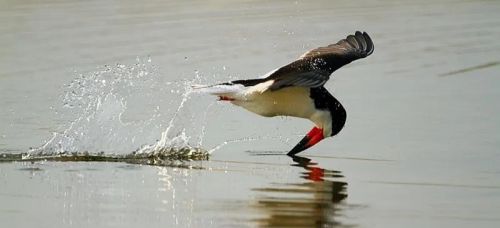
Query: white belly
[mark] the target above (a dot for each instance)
(291, 101)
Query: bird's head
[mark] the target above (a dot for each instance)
(334, 123)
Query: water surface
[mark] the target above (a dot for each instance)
(420, 146)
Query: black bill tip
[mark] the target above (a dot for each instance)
(301, 146)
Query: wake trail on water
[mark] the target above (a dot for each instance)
(120, 111)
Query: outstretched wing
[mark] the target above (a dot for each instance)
(313, 68)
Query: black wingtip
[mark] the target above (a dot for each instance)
(351, 39)
(370, 46)
(361, 41)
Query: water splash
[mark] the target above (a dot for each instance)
(115, 110)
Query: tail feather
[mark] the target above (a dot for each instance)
(224, 89)
(234, 90)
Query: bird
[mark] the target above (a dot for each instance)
(297, 89)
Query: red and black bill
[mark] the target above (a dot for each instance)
(313, 137)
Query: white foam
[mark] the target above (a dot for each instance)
(116, 110)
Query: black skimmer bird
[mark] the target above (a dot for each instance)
(297, 89)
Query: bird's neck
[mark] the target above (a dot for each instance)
(339, 117)
(323, 100)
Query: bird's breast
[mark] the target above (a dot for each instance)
(291, 101)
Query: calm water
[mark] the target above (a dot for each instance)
(420, 147)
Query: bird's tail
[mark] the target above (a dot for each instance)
(225, 91)
(218, 89)
(233, 90)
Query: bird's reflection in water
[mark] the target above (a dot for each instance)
(312, 203)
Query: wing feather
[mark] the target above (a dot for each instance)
(313, 68)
